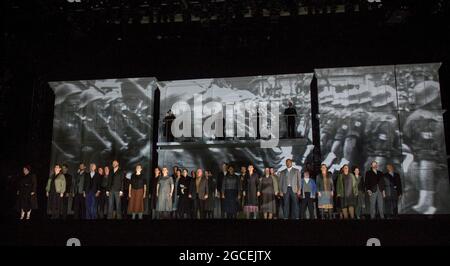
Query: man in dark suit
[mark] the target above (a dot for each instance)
(220, 178)
(198, 192)
(115, 190)
(78, 195)
(290, 190)
(290, 114)
(393, 187)
(168, 120)
(376, 190)
(92, 191)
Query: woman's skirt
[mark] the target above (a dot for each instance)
(27, 202)
(184, 204)
(210, 203)
(164, 203)
(230, 202)
(176, 201)
(136, 202)
(325, 201)
(268, 203)
(348, 201)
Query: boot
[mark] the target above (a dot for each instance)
(426, 202)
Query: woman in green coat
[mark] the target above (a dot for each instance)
(56, 187)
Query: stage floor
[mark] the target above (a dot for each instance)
(408, 231)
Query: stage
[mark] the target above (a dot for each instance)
(203, 85)
(406, 231)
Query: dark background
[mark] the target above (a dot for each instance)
(50, 40)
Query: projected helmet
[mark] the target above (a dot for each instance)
(338, 99)
(130, 89)
(353, 95)
(382, 96)
(88, 96)
(364, 95)
(65, 90)
(326, 109)
(388, 118)
(426, 92)
(112, 96)
(326, 95)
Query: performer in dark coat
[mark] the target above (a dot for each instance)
(168, 120)
(154, 183)
(116, 191)
(198, 192)
(184, 202)
(212, 189)
(393, 188)
(78, 194)
(27, 193)
(92, 191)
(374, 182)
(242, 177)
(67, 199)
(230, 193)
(220, 177)
(362, 206)
(250, 189)
(176, 177)
(290, 115)
(102, 207)
(125, 198)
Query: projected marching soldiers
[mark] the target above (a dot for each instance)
(101, 120)
(390, 115)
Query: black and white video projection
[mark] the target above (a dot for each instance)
(390, 114)
(210, 151)
(96, 121)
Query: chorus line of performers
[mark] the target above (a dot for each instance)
(99, 193)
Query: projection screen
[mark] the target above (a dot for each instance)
(101, 120)
(390, 114)
(229, 91)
